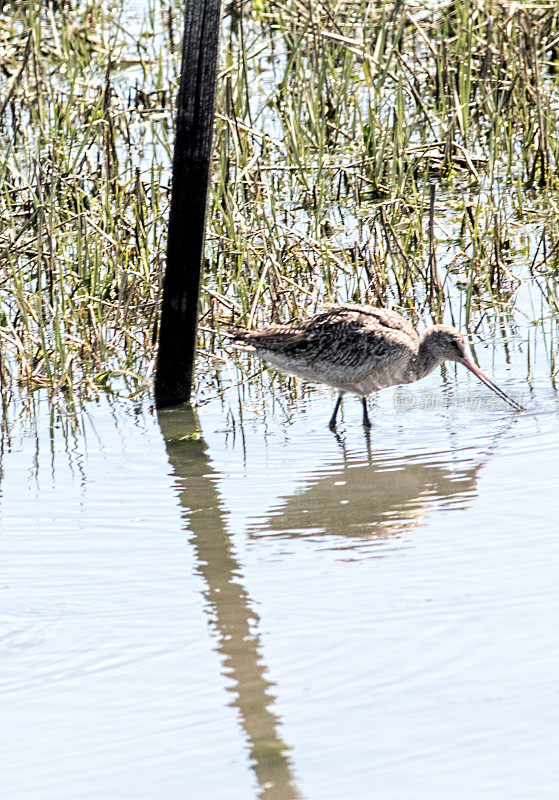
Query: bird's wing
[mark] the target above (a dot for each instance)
(384, 318)
(350, 335)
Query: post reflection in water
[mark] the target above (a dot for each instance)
(233, 617)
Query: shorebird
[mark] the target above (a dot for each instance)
(359, 349)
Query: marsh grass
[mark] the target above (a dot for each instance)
(403, 154)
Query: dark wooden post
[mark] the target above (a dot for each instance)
(187, 217)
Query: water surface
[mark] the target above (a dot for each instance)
(199, 605)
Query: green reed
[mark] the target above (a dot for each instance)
(381, 152)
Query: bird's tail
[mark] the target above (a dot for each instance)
(240, 339)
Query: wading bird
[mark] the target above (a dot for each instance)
(359, 349)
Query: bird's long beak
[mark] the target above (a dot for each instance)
(484, 379)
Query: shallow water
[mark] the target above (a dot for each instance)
(239, 604)
(215, 608)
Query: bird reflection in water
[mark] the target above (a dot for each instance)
(367, 498)
(228, 603)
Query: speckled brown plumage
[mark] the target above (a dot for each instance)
(357, 348)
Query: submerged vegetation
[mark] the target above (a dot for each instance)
(398, 153)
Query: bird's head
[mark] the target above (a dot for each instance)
(445, 343)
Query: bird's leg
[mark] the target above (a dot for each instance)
(332, 423)
(366, 420)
